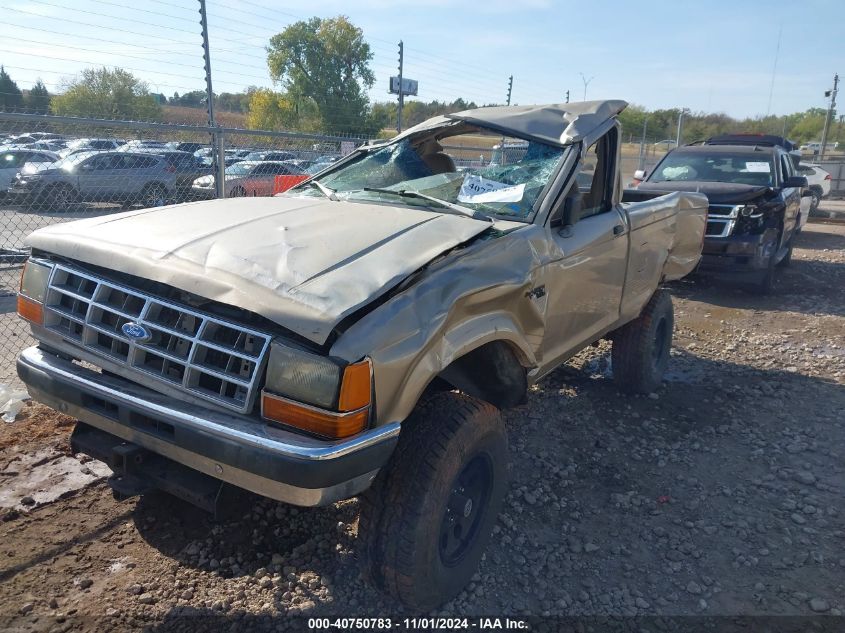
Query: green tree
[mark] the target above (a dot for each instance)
(11, 97)
(38, 99)
(327, 62)
(270, 110)
(109, 94)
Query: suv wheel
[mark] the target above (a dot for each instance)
(640, 352)
(154, 195)
(428, 517)
(62, 197)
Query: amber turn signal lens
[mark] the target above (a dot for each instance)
(30, 310)
(317, 421)
(356, 387)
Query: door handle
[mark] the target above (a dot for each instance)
(618, 230)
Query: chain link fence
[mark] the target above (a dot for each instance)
(57, 169)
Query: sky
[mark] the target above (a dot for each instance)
(717, 56)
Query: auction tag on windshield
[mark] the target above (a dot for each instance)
(758, 167)
(479, 189)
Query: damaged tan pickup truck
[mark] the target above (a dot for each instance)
(359, 334)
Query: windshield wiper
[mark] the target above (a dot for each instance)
(329, 193)
(458, 209)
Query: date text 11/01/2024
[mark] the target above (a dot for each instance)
(436, 624)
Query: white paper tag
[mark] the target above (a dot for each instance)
(758, 167)
(479, 189)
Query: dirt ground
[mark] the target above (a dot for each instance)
(720, 494)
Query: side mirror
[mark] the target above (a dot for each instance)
(640, 174)
(799, 182)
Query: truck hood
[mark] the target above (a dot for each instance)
(303, 263)
(716, 192)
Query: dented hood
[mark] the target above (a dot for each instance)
(303, 263)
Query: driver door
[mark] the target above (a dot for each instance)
(584, 285)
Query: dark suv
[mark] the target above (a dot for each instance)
(755, 196)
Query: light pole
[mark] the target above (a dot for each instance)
(586, 83)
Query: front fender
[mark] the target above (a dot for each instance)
(470, 300)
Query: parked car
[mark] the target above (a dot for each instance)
(142, 145)
(186, 147)
(666, 143)
(247, 178)
(818, 181)
(755, 197)
(270, 155)
(80, 145)
(360, 334)
(49, 146)
(124, 177)
(317, 167)
(15, 160)
(186, 169)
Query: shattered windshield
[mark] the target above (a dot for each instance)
(466, 171)
(740, 168)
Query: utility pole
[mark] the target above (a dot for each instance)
(510, 88)
(401, 96)
(829, 115)
(216, 135)
(586, 83)
(567, 96)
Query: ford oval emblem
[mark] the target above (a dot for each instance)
(136, 332)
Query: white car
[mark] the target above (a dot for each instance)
(247, 178)
(13, 161)
(818, 180)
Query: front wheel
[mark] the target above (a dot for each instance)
(428, 517)
(640, 352)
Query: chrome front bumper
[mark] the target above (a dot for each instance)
(236, 449)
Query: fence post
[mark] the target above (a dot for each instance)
(220, 164)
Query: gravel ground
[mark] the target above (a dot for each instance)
(720, 494)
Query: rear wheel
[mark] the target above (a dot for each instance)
(640, 352)
(428, 516)
(154, 195)
(238, 192)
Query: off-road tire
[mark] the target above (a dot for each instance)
(407, 512)
(640, 352)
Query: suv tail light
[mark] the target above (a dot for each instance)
(827, 177)
(170, 168)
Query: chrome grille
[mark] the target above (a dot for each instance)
(721, 219)
(205, 356)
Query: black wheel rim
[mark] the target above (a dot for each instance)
(466, 506)
(660, 340)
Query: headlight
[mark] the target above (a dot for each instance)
(33, 290)
(303, 376)
(748, 210)
(315, 393)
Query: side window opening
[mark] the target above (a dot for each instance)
(595, 176)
